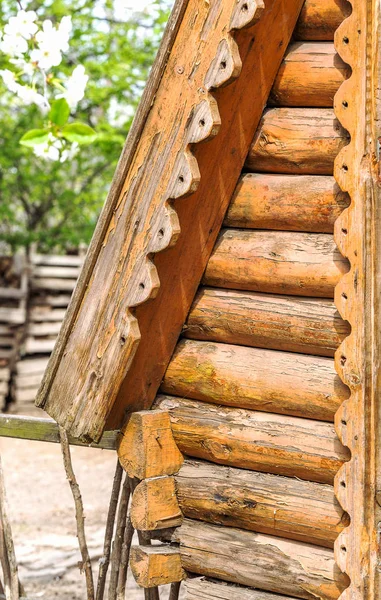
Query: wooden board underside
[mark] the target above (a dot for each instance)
(83, 380)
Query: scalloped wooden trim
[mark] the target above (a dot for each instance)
(143, 214)
(358, 236)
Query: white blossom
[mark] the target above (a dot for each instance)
(22, 24)
(63, 33)
(30, 96)
(55, 150)
(21, 64)
(9, 80)
(75, 87)
(14, 45)
(46, 57)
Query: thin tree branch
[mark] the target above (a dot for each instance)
(124, 560)
(119, 537)
(110, 523)
(8, 540)
(79, 514)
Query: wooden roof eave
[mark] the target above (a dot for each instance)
(162, 161)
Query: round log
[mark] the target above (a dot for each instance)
(305, 325)
(309, 203)
(259, 441)
(278, 262)
(297, 141)
(275, 382)
(319, 19)
(261, 561)
(298, 510)
(310, 75)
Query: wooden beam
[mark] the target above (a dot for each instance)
(46, 430)
(261, 561)
(200, 588)
(117, 274)
(154, 505)
(310, 75)
(288, 446)
(278, 262)
(253, 378)
(156, 565)
(357, 296)
(319, 19)
(286, 202)
(147, 448)
(304, 325)
(298, 141)
(271, 504)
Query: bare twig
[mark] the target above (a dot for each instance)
(12, 586)
(124, 560)
(79, 514)
(174, 591)
(118, 539)
(110, 523)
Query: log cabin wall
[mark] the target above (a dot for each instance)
(251, 388)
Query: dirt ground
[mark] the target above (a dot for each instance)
(43, 517)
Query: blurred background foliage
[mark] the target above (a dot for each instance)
(55, 205)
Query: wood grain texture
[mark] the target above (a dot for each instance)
(304, 325)
(265, 442)
(200, 588)
(275, 382)
(310, 75)
(357, 296)
(154, 505)
(319, 19)
(279, 262)
(260, 561)
(286, 202)
(280, 506)
(121, 275)
(296, 141)
(182, 266)
(155, 565)
(147, 448)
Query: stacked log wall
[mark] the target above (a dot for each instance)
(251, 389)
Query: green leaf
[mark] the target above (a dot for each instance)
(80, 133)
(33, 137)
(59, 112)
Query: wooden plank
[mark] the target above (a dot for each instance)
(357, 232)
(46, 430)
(53, 300)
(200, 217)
(31, 366)
(40, 313)
(260, 561)
(156, 565)
(13, 316)
(304, 325)
(25, 394)
(275, 382)
(200, 588)
(27, 381)
(277, 262)
(265, 442)
(65, 260)
(271, 504)
(56, 272)
(41, 329)
(310, 75)
(44, 283)
(39, 346)
(299, 141)
(319, 19)
(11, 293)
(287, 202)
